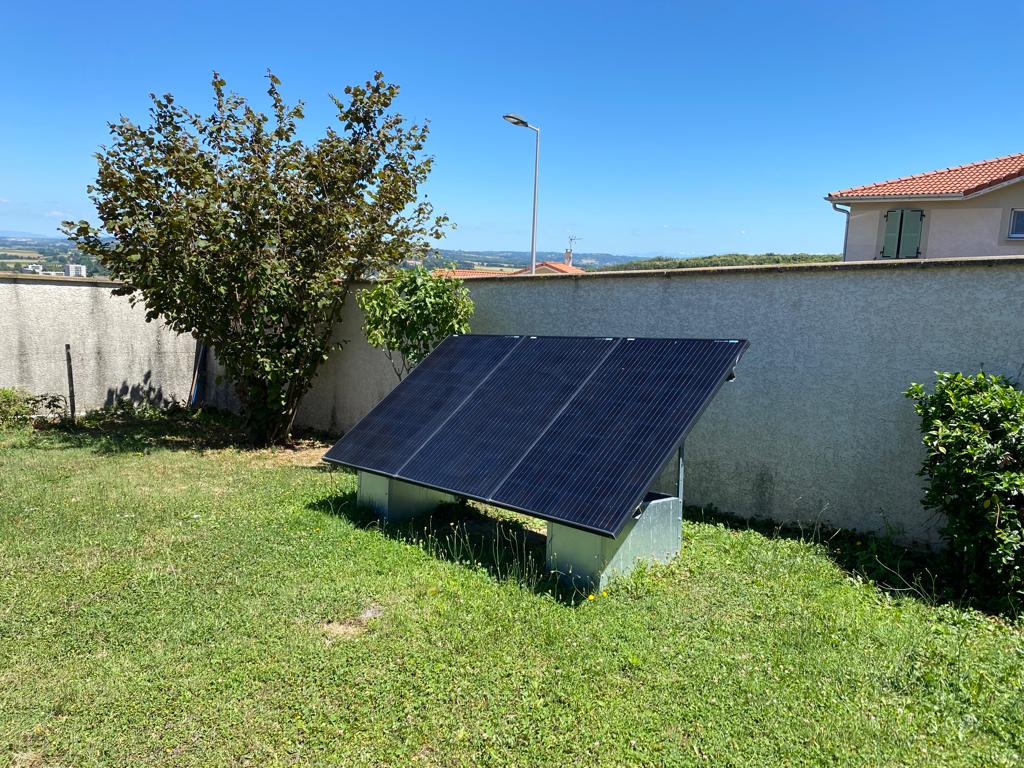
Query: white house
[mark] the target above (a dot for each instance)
(969, 210)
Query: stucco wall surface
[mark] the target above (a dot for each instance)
(815, 427)
(114, 351)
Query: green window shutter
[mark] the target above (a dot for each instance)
(910, 236)
(891, 240)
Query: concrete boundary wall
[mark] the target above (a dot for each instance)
(115, 353)
(815, 427)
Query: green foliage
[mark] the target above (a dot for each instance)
(14, 407)
(973, 428)
(17, 407)
(722, 260)
(231, 228)
(50, 407)
(410, 311)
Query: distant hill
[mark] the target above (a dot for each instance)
(721, 260)
(17, 250)
(30, 235)
(519, 259)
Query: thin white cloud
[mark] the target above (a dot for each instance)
(56, 214)
(4, 200)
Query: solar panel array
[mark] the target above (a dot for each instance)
(567, 429)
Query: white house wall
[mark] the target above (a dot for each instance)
(862, 236)
(952, 228)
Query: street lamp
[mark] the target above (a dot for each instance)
(521, 122)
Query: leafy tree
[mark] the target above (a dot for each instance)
(411, 311)
(231, 228)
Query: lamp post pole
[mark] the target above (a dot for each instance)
(521, 122)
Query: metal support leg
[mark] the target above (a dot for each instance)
(680, 477)
(395, 500)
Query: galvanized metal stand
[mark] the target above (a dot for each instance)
(582, 560)
(394, 500)
(587, 561)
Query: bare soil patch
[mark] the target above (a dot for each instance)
(349, 628)
(302, 453)
(27, 760)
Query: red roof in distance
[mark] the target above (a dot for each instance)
(468, 274)
(957, 182)
(550, 266)
(555, 266)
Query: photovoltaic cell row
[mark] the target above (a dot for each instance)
(400, 423)
(488, 436)
(603, 452)
(568, 429)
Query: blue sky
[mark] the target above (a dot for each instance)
(674, 128)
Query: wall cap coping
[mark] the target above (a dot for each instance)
(744, 269)
(104, 282)
(824, 266)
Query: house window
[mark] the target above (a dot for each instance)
(1016, 224)
(903, 228)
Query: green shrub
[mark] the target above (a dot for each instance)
(14, 407)
(17, 407)
(408, 312)
(973, 428)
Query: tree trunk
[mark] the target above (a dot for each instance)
(268, 421)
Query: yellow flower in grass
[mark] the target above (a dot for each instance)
(590, 597)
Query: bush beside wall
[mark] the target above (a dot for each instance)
(973, 430)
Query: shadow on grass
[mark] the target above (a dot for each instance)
(503, 546)
(893, 568)
(135, 429)
(127, 426)
(509, 550)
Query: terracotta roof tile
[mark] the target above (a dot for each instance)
(465, 274)
(554, 266)
(959, 181)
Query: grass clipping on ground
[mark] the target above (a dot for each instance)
(215, 606)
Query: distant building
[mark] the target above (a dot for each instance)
(33, 269)
(74, 270)
(564, 267)
(469, 274)
(967, 210)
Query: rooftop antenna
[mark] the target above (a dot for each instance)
(568, 253)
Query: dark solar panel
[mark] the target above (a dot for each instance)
(400, 423)
(602, 454)
(568, 429)
(500, 422)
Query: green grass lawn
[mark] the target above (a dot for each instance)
(166, 603)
